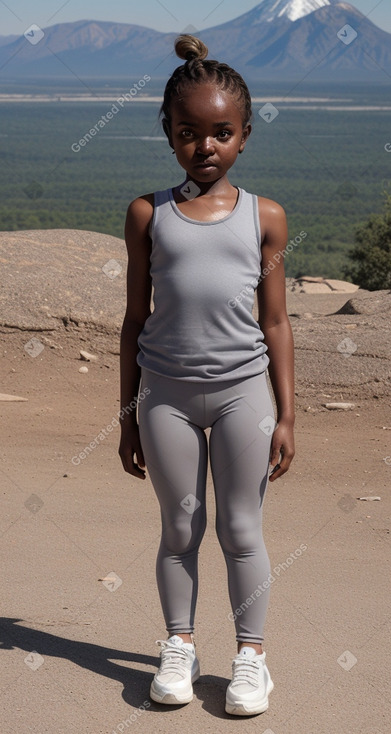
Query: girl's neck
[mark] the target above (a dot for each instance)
(222, 187)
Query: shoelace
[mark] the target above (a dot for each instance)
(245, 671)
(171, 657)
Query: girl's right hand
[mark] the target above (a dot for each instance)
(129, 445)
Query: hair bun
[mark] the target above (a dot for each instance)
(189, 47)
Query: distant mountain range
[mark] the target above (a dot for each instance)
(277, 39)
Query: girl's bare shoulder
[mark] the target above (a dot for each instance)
(273, 222)
(270, 209)
(142, 207)
(138, 219)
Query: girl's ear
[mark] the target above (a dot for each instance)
(245, 134)
(166, 128)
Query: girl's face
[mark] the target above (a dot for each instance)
(207, 131)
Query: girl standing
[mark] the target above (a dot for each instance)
(206, 247)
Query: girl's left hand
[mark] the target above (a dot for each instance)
(282, 449)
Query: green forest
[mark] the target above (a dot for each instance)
(327, 168)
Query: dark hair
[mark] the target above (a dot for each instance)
(195, 71)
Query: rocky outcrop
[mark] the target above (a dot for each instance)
(55, 277)
(311, 284)
(72, 285)
(368, 303)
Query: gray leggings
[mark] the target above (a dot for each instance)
(172, 419)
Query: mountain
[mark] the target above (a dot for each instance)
(270, 10)
(268, 46)
(88, 48)
(4, 40)
(312, 41)
(277, 39)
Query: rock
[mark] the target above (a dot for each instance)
(339, 406)
(314, 284)
(51, 344)
(369, 499)
(83, 370)
(367, 302)
(12, 398)
(87, 356)
(44, 262)
(341, 286)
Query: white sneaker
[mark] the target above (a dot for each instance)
(250, 686)
(179, 668)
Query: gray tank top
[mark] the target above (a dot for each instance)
(204, 276)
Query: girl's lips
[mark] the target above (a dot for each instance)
(205, 166)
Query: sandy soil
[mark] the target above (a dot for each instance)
(78, 653)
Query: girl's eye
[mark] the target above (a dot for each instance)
(222, 134)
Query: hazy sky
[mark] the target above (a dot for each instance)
(164, 15)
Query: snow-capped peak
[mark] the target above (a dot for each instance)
(292, 9)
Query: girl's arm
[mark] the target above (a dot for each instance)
(138, 245)
(275, 324)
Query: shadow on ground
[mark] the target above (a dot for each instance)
(210, 689)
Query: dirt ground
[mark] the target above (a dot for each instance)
(79, 538)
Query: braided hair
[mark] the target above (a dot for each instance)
(197, 70)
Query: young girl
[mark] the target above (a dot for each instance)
(206, 246)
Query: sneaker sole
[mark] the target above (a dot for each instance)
(240, 709)
(174, 698)
(169, 698)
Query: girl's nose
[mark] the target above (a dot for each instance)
(206, 146)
